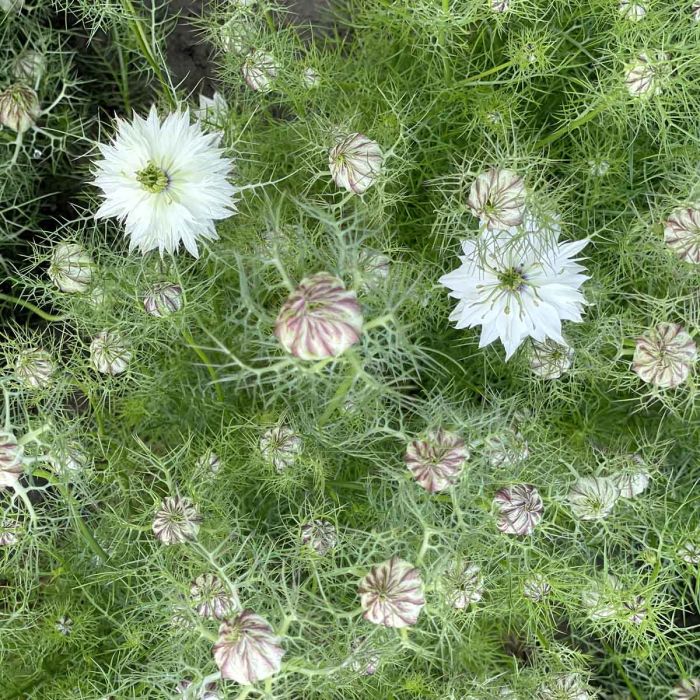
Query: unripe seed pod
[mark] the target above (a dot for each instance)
(19, 107)
(70, 268)
(29, 66)
(34, 367)
(109, 354)
(355, 162)
(163, 299)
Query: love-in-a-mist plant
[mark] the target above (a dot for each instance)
(369, 372)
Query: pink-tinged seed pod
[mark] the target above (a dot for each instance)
(436, 461)
(34, 367)
(687, 689)
(19, 107)
(11, 460)
(211, 598)
(497, 198)
(373, 266)
(108, 353)
(320, 318)
(319, 535)
(520, 508)
(682, 233)
(664, 355)
(355, 163)
(176, 521)
(259, 71)
(593, 497)
(464, 585)
(8, 532)
(248, 650)
(163, 299)
(391, 594)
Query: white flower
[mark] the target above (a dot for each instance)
(506, 449)
(108, 353)
(517, 285)
(436, 461)
(682, 233)
(593, 497)
(632, 10)
(29, 65)
(211, 599)
(391, 594)
(550, 360)
(520, 509)
(320, 535)
(280, 447)
(34, 367)
(212, 110)
(687, 689)
(19, 107)
(163, 299)
(11, 460)
(319, 319)
(664, 355)
(355, 162)
(464, 584)
(70, 268)
(497, 197)
(248, 650)
(536, 588)
(642, 77)
(64, 625)
(259, 70)
(177, 520)
(166, 181)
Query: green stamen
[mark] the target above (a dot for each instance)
(152, 178)
(511, 280)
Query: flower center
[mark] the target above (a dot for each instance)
(512, 279)
(152, 178)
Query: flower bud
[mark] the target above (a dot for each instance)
(8, 532)
(682, 233)
(355, 163)
(696, 11)
(311, 77)
(163, 299)
(108, 353)
(436, 462)
(29, 65)
(11, 5)
(373, 267)
(633, 11)
(497, 197)
(500, 5)
(64, 625)
(568, 686)
(280, 447)
(391, 594)
(177, 520)
(642, 77)
(248, 650)
(19, 107)
(320, 318)
(549, 360)
(520, 509)
(664, 355)
(689, 552)
(70, 268)
(211, 598)
(536, 588)
(593, 497)
(319, 535)
(464, 585)
(68, 460)
(34, 367)
(11, 460)
(209, 691)
(259, 70)
(209, 461)
(635, 609)
(213, 111)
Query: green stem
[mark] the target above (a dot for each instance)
(189, 339)
(582, 119)
(31, 307)
(91, 542)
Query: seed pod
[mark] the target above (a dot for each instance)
(497, 197)
(248, 650)
(163, 299)
(11, 460)
(108, 353)
(209, 461)
(635, 609)
(70, 268)
(177, 520)
(631, 484)
(568, 686)
(641, 78)
(664, 355)
(696, 11)
(549, 360)
(8, 531)
(280, 447)
(64, 625)
(365, 660)
(500, 5)
(600, 599)
(68, 460)
(373, 267)
(211, 598)
(593, 497)
(34, 367)
(536, 588)
(520, 509)
(682, 233)
(391, 594)
(464, 585)
(259, 70)
(320, 318)
(633, 11)
(436, 462)
(506, 449)
(687, 689)
(29, 66)
(320, 535)
(355, 162)
(689, 552)
(311, 77)
(19, 107)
